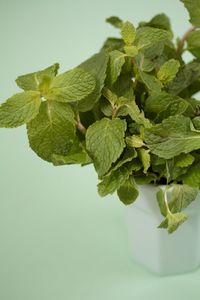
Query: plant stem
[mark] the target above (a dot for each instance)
(166, 201)
(182, 41)
(79, 125)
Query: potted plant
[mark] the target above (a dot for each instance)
(130, 110)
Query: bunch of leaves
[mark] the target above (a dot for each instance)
(130, 110)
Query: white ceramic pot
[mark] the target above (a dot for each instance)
(154, 248)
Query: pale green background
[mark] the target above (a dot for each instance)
(59, 239)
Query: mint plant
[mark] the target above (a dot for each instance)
(130, 110)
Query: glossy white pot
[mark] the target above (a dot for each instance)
(154, 248)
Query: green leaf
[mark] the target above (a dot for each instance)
(131, 51)
(182, 196)
(77, 156)
(105, 142)
(116, 62)
(112, 44)
(161, 202)
(134, 141)
(32, 81)
(172, 137)
(71, 86)
(159, 21)
(184, 160)
(53, 130)
(193, 42)
(123, 87)
(134, 112)
(128, 192)
(178, 107)
(144, 157)
(128, 155)
(115, 179)
(148, 36)
(168, 71)
(151, 82)
(185, 77)
(161, 102)
(173, 221)
(96, 66)
(192, 177)
(193, 7)
(128, 33)
(115, 21)
(19, 109)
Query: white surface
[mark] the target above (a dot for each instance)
(154, 248)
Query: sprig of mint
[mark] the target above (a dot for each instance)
(130, 110)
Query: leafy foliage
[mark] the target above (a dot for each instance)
(129, 109)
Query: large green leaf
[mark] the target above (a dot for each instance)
(172, 137)
(32, 81)
(193, 7)
(20, 109)
(128, 192)
(71, 86)
(96, 66)
(182, 195)
(116, 62)
(149, 36)
(105, 142)
(53, 130)
(185, 77)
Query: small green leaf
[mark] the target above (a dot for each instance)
(168, 71)
(71, 86)
(128, 33)
(128, 192)
(117, 60)
(173, 221)
(151, 82)
(159, 21)
(134, 111)
(115, 179)
(32, 81)
(134, 141)
(115, 21)
(145, 158)
(20, 109)
(193, 7)
(184, 160)
(131, 51)
(105, 142)
(53, 130)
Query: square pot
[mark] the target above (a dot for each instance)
(154, 248)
